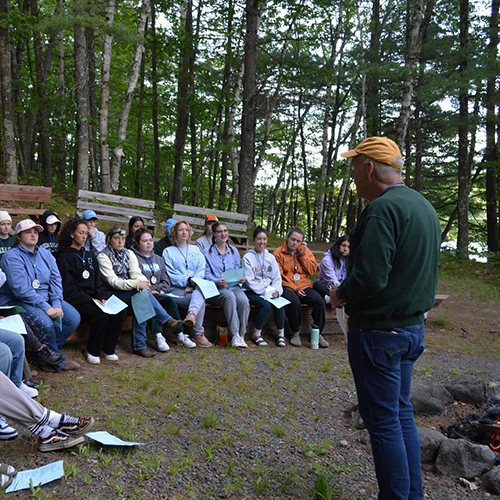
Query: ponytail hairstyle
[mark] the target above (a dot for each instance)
(215, 227)
(335, 250)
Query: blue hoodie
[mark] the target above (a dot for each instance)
(184, 263)
(18, 265)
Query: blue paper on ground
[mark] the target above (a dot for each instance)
(37, 477)
(106, 438)
(141, 304)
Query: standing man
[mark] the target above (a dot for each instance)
(297, 263)
(391, 282)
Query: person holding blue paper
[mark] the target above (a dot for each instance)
(185, 262)
(262, 271)
(222, 257)
(153, 267)
(122, 275)
(82, 283)
(34, 283)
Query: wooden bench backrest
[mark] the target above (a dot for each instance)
(24, 194)
(237, 223)
(116, 208)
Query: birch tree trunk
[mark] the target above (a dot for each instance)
(414, 45)
(104, 107)
(127, 102)
(8, 137)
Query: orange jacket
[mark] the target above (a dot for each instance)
(306, 266)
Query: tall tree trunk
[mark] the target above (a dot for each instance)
(373, 77)
(463, 130)
(492, 156)
(414, 45)
(82, 108)
(140, 120)
(183, 104)
(104, 106)
(60, 154)
(127, 101)
(8, 137)
(93, 148)
(154, 105)
(248, 119)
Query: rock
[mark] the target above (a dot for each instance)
(491, 480)
(429, 398)
(493, 390)
(430, 442)
(467, 390)
(458, 457)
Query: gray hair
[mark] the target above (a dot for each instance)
(384, 172)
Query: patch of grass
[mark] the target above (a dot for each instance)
(324, 489)
(210, 420)
(443, 321)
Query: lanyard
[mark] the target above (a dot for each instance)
(185, 257)
(262, 264)
(53, 243)
(294, 262)
(151, 266)
(82, 258)
(399, 183)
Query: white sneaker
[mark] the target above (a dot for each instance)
(93, 360)
(6, 431)
(111, 357)
(185, 341)
(238, 341)
(30, 391)
(161, 343)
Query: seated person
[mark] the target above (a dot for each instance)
(332, 269)
(96, 240)
(34, 283)
(166, 241)
(121, 273)
(153, 267)
(48, 237)
(82, 283)
(134, 224)
(222, 257)
(261, 271)
(205, 240)
(55, 431)
(183, 262)
(297, 263)
(7, 239)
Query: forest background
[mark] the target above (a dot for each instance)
(245, 106)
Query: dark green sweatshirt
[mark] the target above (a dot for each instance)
(392, 269)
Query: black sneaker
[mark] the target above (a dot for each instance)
(75, 426)
(47, 357)
(58, 440)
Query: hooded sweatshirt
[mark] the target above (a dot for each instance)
(46, 240)
(261, 271)
(77, 289)
(154, 270)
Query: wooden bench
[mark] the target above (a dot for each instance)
(24, 194)
(116, 208)
(237, 223)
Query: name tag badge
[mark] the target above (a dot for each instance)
(86, 275)
(35, 284)
(153, 280)
(296, 276)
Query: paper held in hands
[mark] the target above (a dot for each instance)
(13, 324)
(112, 306)
(277, 302)
(207, 288)
(233, 276)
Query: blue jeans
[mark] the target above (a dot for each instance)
(139, 332)
(44, 328)
(382, 364)
(12, 355)
(265, 309)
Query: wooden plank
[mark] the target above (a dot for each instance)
(210, 211)
(37, 212)
(440, 298)
(193, 221)
(99, 208)
(111, 198)
(34, 194)
(124, 220)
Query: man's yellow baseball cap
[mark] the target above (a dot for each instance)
(380, 149)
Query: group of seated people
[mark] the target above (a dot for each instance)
(57, 272)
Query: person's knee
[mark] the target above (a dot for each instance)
(5, 359)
